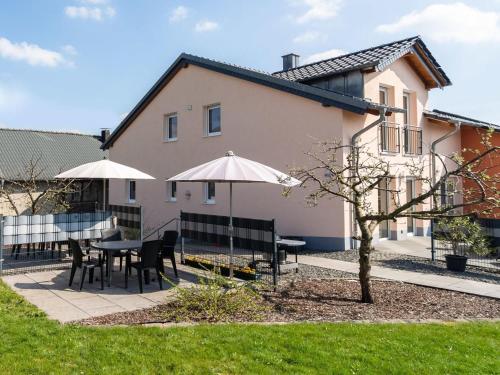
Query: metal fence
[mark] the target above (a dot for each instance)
(205, 244)
(490, 261)
(31, 243)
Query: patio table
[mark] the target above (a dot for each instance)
(295, 244)
(110, 247)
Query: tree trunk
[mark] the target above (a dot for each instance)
(364, 270)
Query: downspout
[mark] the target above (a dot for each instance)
(457, 125)
(354, 140)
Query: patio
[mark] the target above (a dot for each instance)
(49, 291)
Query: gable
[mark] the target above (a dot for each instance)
(324, 97)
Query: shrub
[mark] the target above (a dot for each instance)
(217, 299)
(463, 235)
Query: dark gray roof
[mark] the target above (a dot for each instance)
(55, 151)
(452, 117)
(325, 97)
(378, 58)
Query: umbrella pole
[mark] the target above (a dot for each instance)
(104, 194)
(231, 230)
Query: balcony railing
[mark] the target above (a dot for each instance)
(412, 140)
(389, 137)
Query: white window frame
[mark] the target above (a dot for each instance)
(407, 95)
(128, 182)
(207, 120)
(170, 197)
(206, 198)
(386, 93)
(166, 128)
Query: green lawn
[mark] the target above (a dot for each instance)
(30, 343)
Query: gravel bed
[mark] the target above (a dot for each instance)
(415, 264)
(312, 272)
(338, 300)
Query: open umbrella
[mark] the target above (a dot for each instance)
(234, 169)
(104, 169)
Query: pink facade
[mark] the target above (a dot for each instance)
(270, 126)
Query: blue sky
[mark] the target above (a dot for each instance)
(80, 65)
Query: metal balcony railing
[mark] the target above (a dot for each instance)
(412, 140)
(389, 137)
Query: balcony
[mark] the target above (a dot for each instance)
(412, 137)
(389, 138)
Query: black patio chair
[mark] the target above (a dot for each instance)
(79, 262)
(113, 235)
(168, 249)
(149, 253)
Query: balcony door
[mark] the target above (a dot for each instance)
(383, 206)
(410, 194)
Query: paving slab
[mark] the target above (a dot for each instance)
(49, 291)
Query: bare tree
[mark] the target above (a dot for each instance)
(32, 189)
(355, 174)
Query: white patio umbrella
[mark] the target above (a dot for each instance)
(104, 169)
(234, 169)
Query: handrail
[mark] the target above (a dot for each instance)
(157, 230)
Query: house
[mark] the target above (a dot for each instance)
(200, 108)
(39, 156)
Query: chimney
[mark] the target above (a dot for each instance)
(104, 134)
(290, 61)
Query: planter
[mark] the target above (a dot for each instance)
(456, 263)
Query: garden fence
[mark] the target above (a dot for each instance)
(491, 261)
(31, 243)
(205, 244)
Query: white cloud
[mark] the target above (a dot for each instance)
(94, 2)
(30, 53)
(309, 37)
(12, 99)
(324, 55)
(178, 14)
(206, 25)
(92, 13)
(69, 49)
(455, 22)
(318, 10)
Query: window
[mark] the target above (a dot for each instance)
(171, 191)
(209, 192)
(448, 193)
(383, 95)
(170, 128)
(131, 190)
(406, 108)
(213, 123)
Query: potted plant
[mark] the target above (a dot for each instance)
(464, 236)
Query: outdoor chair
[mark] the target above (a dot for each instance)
(113, 235)
(79, 262)
(168, 250)
(148, 260)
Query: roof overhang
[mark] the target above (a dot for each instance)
(451, 118)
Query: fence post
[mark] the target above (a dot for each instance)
(275, 257)
(182, 240)
(433, 249)
(1, 244)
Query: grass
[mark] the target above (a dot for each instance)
(30, 343)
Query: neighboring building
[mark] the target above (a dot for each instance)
(201, 108)
(50, 153)
(474, 134)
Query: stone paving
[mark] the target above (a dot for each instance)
(436, 281)
(50, 292)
